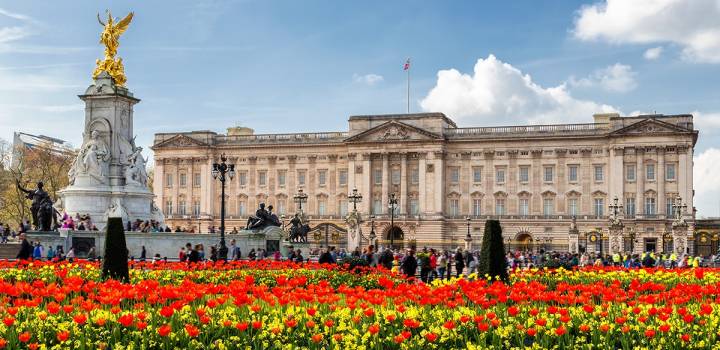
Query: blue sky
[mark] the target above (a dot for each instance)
(289, 66)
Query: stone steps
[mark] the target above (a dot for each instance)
(9, 250)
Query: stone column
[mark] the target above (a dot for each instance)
(639, 182)
(190, 183)
(685, 176)
(385, 181)
(159, 183)
(252, 184)
(573, 241)
(680, 234)
(439, 194)
(367, 183)
(209, 206)
(351, 179)
(176, 187)
(311, 181)
(403, 183)
(660, 178)
(422, 189)
(615, 177)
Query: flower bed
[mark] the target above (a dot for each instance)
(263, 305)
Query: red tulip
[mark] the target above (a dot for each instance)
(63, 336)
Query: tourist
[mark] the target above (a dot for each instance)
(433, 265)
(92, 254)
(50, 253)
(423, 259)
(26, 249)
(38, 251)
(356, 252)
(234, 231)
(201, 251)
(194, 255)
(277, 256)
(251, 255)
(386, 259)
(234, 251)
(298, 257)
(442, 264)
(459, 262)
(182, 254)
(409, 264)
(71, 254)
(213, 253)
(60, 253)
(5, 232)
(326, 257)
(291, 254)
(369, 256)
(473, 262)
(143, 254)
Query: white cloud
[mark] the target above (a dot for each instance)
(706, 184)
(17, 16)
(653, 53)
(498, 93)
(615, 78)
(693, 25)
(369, 79)
(8, 34)
(707, 123)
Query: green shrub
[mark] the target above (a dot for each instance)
(492, 260)
(115, 264)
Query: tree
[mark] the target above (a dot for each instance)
(115, 263)
(44, 162)
(492, 260)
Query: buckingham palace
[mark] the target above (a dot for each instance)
(554, 187)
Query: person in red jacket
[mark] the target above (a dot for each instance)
(433, 264)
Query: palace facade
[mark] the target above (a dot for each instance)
(541, 181)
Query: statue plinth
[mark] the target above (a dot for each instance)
(108, 177)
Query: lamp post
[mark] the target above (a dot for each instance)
(468, 238)
(392, 205)
(372, 230)
(300, 198)
(223, 171)
(355, 198)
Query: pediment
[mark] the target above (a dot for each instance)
(649, 127)
(394, 131)
(180, 141)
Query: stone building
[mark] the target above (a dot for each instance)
(534, 178)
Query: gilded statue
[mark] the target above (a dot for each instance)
(110, 38)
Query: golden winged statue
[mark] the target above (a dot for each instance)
(109, 37)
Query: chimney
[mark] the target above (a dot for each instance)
(604, 118)
(240, 131)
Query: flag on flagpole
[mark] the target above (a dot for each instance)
(407, 65)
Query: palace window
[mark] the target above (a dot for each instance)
(573, 206)
(630, 172)
(242, 208)
(670, 172)
(477, 174)
(262, 178)
(454, 175)
(322, 177)
(630, 207)
(181, 207)
(548, 206)
(524, 207)
(476, 207)
(599, 207)
(395, 176)
(168, 207)
(301, 177)
(169, 180)
(322, 203)
(377, 206)
(342, 177)
(343, 207)
(669, 209)
(599, 173)
(183, 179)
(548, 174)
(281, 206)
(572, 173)
(524, 174)
(196, 180)
(650, 206)
(281, 177)
(454, 207)
(500, 176)
(414, 176)
(500, 206)
(378, 176)
(243, 178)
(414, 208)
(650, 172)
(196, 207)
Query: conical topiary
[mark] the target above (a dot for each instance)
(492, 256)
(115, 263)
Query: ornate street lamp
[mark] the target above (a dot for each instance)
(223, 171)
(300, 198)
(468, 238)
(392, 205)
(355, 198)
(372, 230)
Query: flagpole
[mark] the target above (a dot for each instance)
(408, 87)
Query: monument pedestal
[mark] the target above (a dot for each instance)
(108, 177)
(616, 239)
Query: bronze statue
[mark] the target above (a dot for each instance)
(41, 208)
(110, 37)
(262, 219)
(298, 230)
